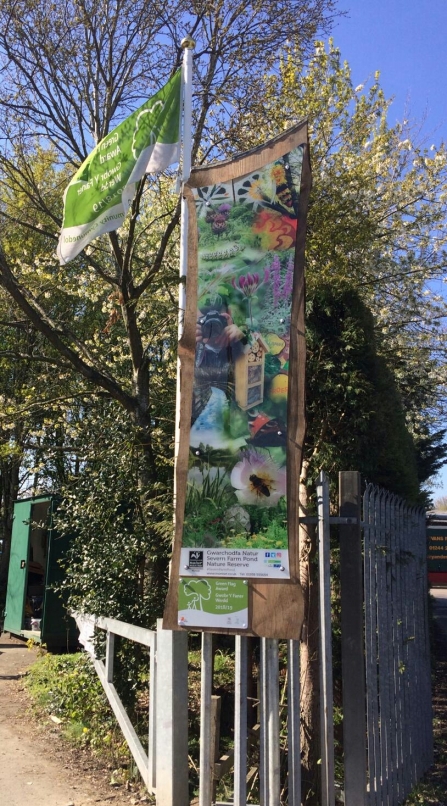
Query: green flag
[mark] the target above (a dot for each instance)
(102, 190)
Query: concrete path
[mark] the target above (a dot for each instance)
(34, 770)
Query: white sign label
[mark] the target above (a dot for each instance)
(240, 563)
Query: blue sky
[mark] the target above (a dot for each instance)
(407, 42)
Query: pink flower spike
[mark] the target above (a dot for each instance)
(288, 282)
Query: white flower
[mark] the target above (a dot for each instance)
(254, 189)
(258, 480)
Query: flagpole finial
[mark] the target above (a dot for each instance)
(188, 42)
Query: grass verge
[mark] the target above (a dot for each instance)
(67, 690)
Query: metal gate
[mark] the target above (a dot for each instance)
(387, 740)
(398, 675)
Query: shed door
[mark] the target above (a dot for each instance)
(58, 628)
(18, 571)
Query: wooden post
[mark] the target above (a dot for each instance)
(352, 642)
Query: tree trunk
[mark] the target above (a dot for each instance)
(310, 710)
(156, 564)
(9, 491)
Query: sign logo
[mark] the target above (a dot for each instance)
(196, 559)
(272, 559)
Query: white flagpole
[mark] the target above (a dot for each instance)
(188, 46)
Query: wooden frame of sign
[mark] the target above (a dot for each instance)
(275, 605)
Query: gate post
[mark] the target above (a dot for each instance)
(352, 640)
(326, 694)
(171, 718)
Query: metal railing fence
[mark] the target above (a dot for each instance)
(397, 651)
(387, 739)
(164, 766)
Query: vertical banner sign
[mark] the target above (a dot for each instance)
(242, 379)
(235, 521)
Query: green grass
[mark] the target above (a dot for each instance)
(67, 687)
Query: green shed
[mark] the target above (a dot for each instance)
(33, 609)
